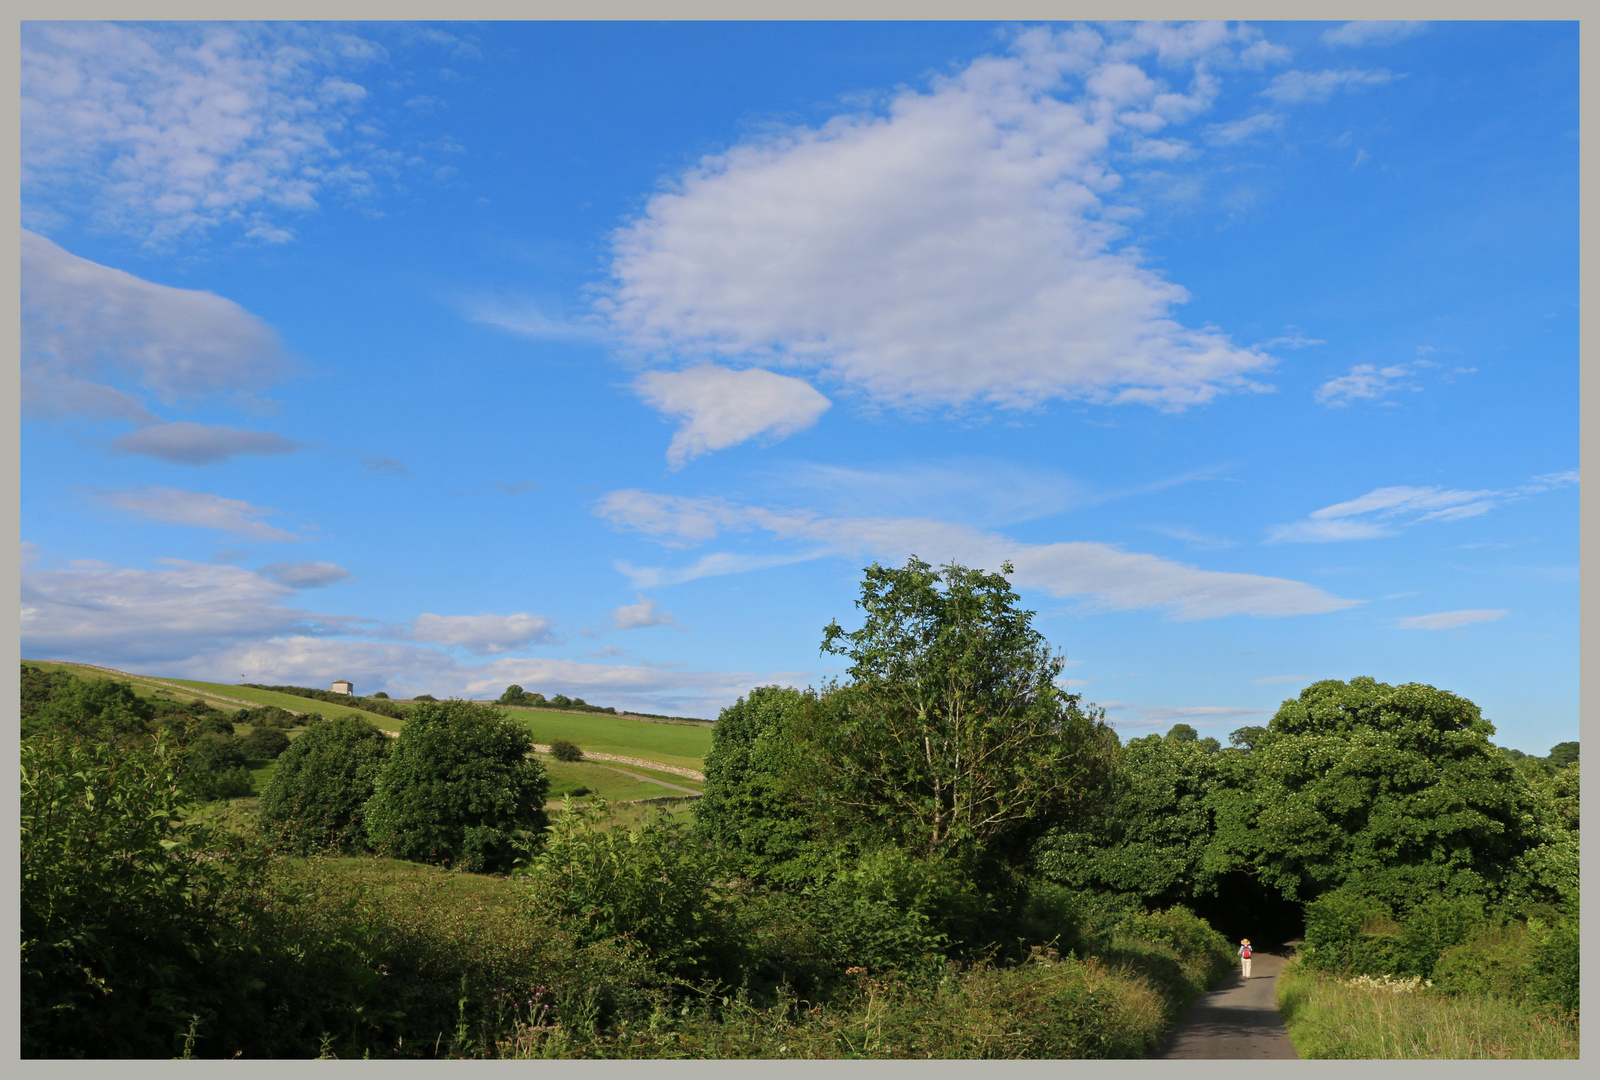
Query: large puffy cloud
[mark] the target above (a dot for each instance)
(183, 443)
(197, 509)
(482, 634)
(1385, 511)
(951, 250)
(83, 322)
(163, 130)
(721, 408)
(1103, 575)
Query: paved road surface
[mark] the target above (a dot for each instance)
(1237, 1020)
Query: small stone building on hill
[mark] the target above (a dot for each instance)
(342, 686)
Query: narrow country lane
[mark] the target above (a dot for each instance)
(1237, 1020)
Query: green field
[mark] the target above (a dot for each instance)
(670, 744)
(608, 784)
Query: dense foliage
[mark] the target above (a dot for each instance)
(516, 695)
(461, 788)
(317, 797)
(942, 854)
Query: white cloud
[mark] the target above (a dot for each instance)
(184, 443)
(1237, 131)
(950, 251)
(527, 319)
(132, 615)
(1377, 513)
(305, 575)
(162, 130)
(1449, 620)
(1101, 574)
(193, 508)
(483, 634)
(1363, 381)
(411, 669)
(721, 408)
(1294, 87)
(645, 613)
(83, 321)
(990, 490)
(1371, 32)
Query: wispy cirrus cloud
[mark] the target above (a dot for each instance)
(303, 575)
(1301, 87)
(195, 509)
(1372, 32)
(183, 443)
(1385, 511)
(1102, 575)
(1449, 620)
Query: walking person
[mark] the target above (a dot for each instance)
(1244, 956)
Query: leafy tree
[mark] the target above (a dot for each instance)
(381, 695)
(319, 790)
(103, 708)
(267, 716)
(952, 738)
(460, 788)
(1148, 842)
(424, 697)
(514, 695)
(1563, 753)
(1392, 791)
(750, 807)
(564, 750)
(264, 742)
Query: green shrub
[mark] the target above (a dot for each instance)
(459, 789)
(1555, 964)
(1494, 961)
(101, 708)
(1433, 927)
(1337, 933)
(318, 793)
(562, 750)
(264, 743)
(215, 723)
(650, 883)
(216, 753)
(268, 716)
(128, 910)
(381, 695)
(424, 697)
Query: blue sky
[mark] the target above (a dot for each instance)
(600, 358)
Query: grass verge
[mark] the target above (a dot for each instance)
(1374, 1020)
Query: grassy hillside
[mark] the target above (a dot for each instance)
(670, 744)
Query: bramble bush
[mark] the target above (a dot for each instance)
(564, 750)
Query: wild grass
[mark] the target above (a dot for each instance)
(1049, 1007)
(1406, 1020)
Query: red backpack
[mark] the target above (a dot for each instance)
(1245, 952)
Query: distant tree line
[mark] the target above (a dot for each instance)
(377, 706)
